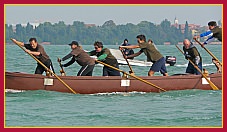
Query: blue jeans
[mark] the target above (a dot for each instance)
(191, 69)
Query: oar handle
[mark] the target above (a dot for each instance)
(208, 51)
(197, 68)
(62, 71)
(19, 44)
(131, 75)
(131, 71)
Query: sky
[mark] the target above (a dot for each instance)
(120, 14)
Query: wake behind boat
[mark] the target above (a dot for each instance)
(111, 84)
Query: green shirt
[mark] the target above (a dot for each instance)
(150, 51)
(217, 33)
(105, 56)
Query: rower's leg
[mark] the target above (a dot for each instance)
(165, 74)
(150, 73)
(218, 66)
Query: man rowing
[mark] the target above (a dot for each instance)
(81, 57)
(152, 54)
(104, 55)
(38, 51)
(213, 32)
(191, 52)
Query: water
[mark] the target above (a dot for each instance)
(186, 108)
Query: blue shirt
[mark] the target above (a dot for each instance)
(210, 36)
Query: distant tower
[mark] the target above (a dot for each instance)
(175, 21)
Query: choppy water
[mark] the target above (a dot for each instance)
(186, 108)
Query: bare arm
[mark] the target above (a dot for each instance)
(17, 42)
(130, 47)
(33, 52)
(134, 55)
(26, 50)
(196, 37)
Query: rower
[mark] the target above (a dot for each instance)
(153, 55)
(103, 54)
(38, 52)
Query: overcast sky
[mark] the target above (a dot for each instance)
(120, 14)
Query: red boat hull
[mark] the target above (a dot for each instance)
(100, 84)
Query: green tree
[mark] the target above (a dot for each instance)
(108, 33)
(20, 32)
(186, 31)
(9, 33)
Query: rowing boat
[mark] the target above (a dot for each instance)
(101, 84)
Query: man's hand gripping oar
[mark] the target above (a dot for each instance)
(62, 71)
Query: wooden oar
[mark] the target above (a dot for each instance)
(62, 71)
(131, 71)
(140, 79)
(208, 51)
(17, 43)
(197, 68)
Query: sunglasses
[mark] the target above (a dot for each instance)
(96, 47)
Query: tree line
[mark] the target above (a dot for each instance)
(109, 33)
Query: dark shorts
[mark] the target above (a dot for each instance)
(40, 69)
(159, 66)
(107, 71)
(86, 70)
(191, 69)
